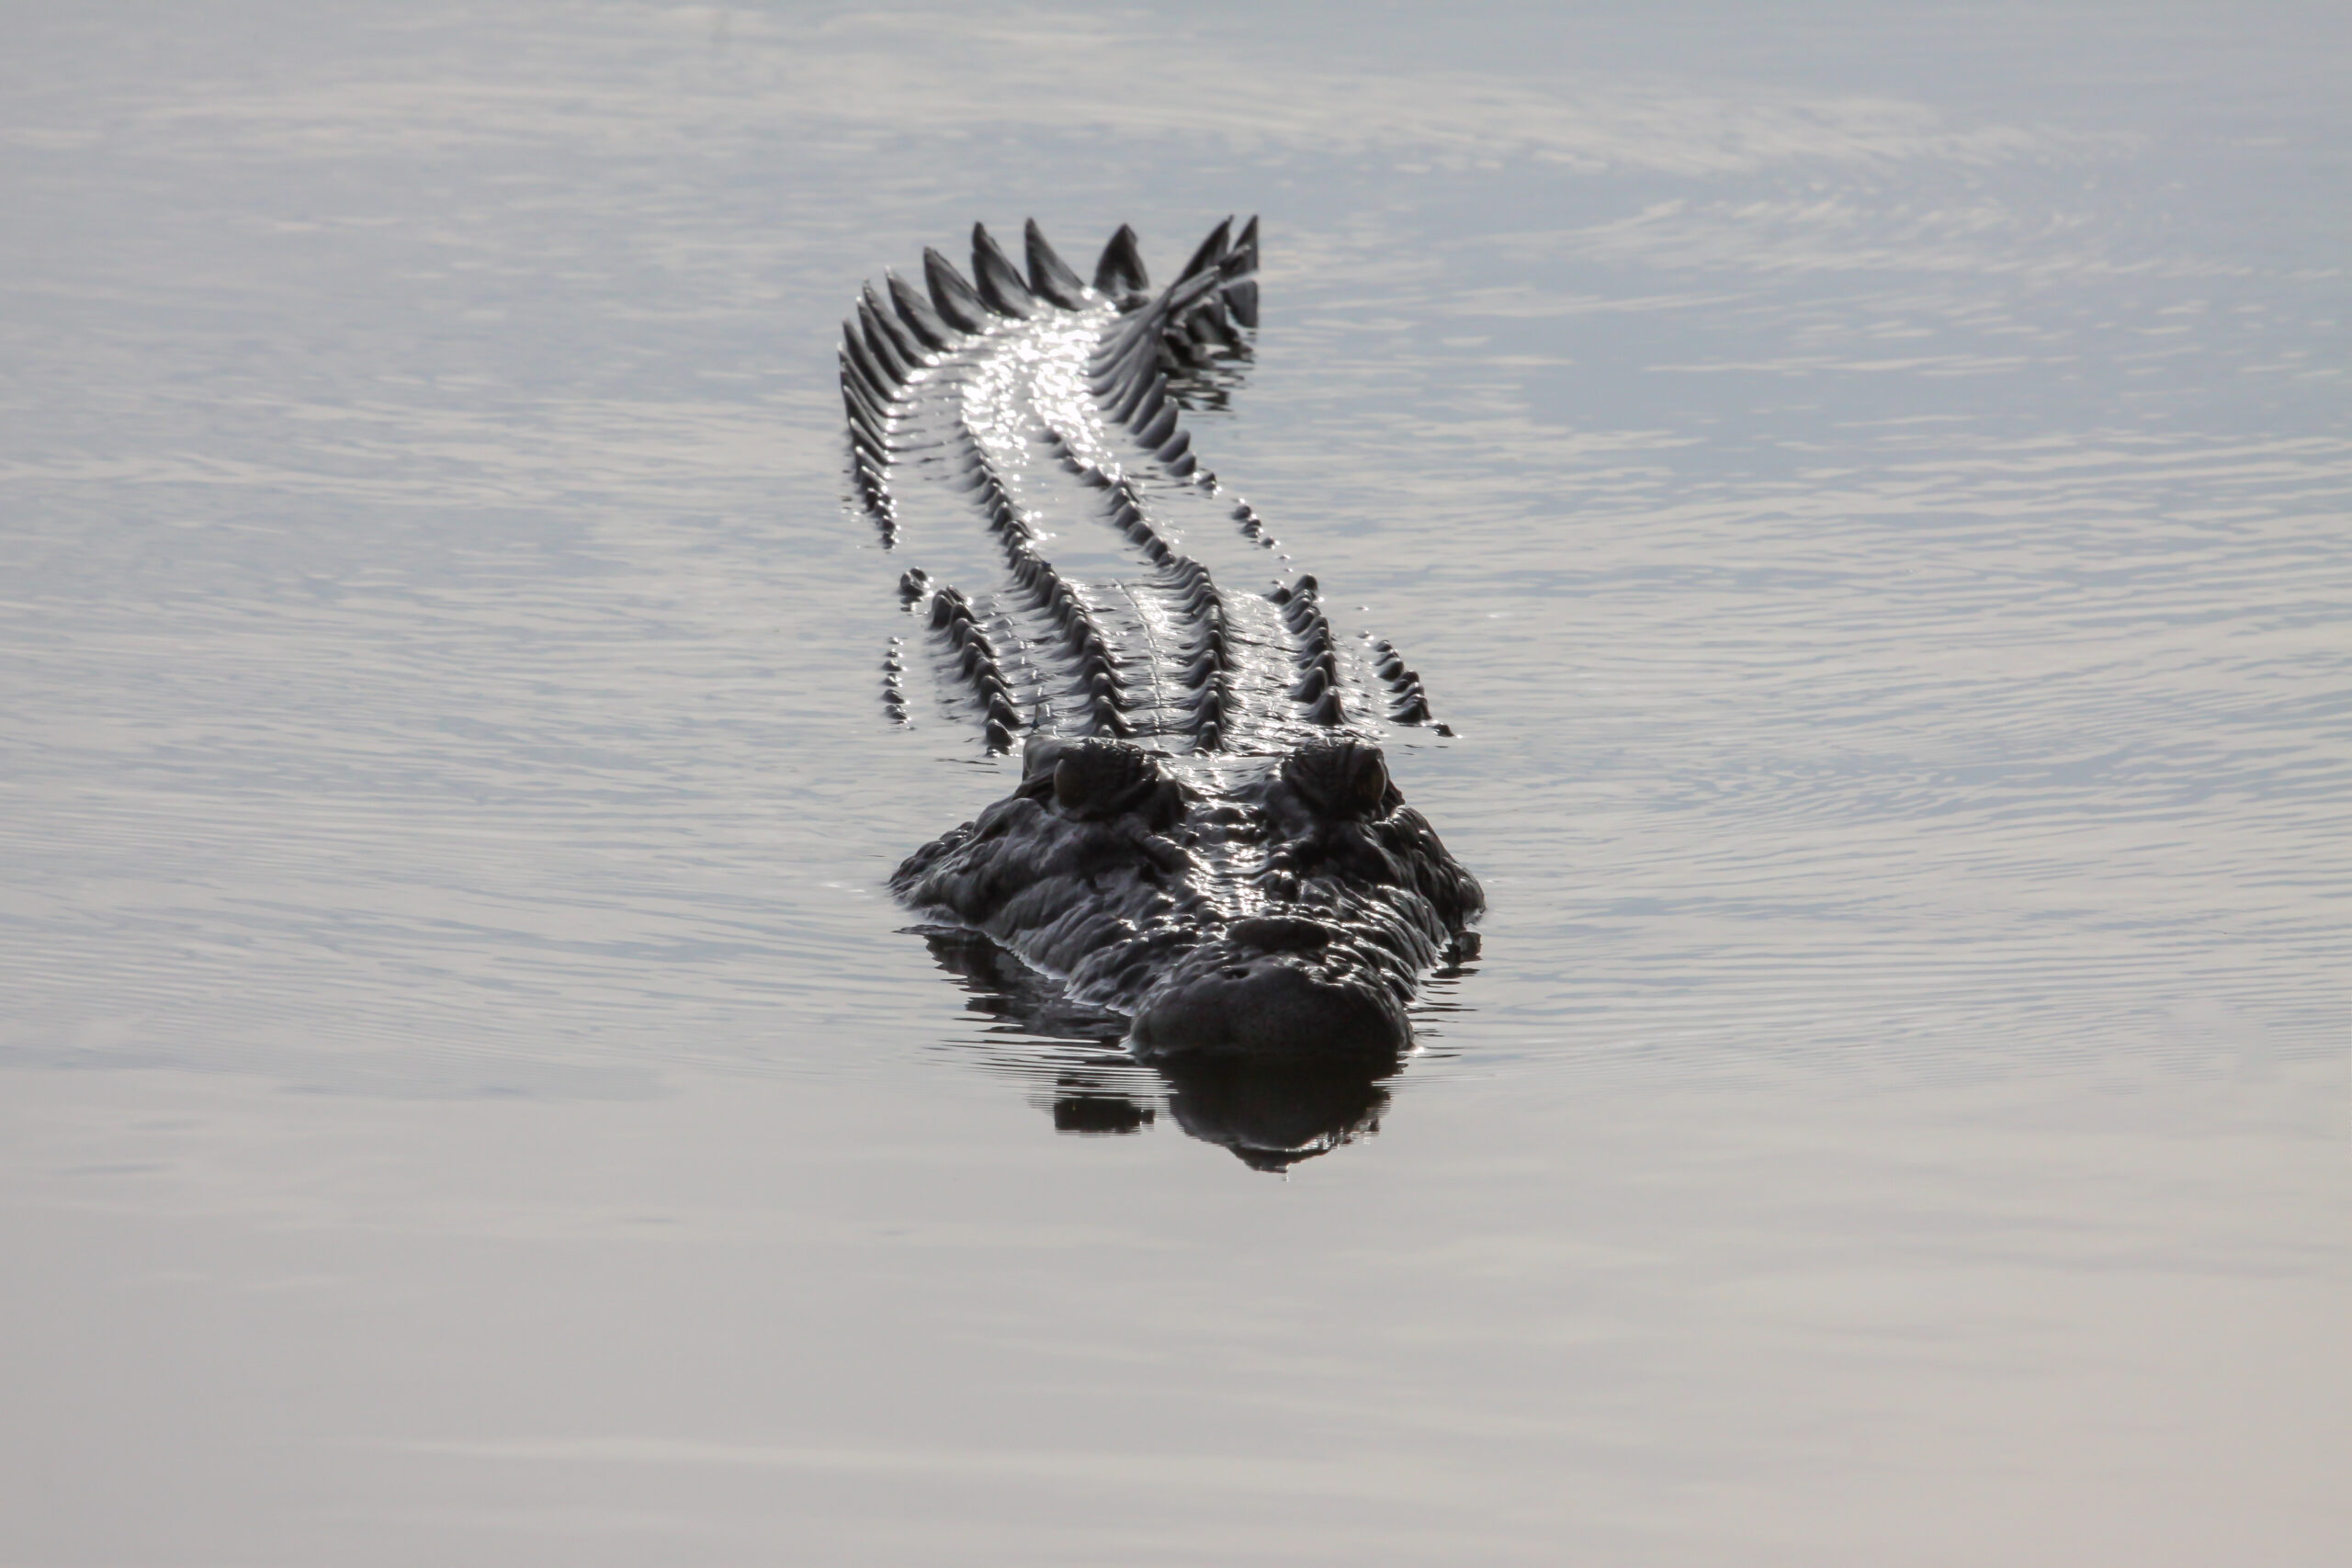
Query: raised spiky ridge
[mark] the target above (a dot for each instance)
(965, 379)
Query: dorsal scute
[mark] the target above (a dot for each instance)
(883, 349)
(997, 281)
(1164, 332)
(916, 314)
(952, 295)
(1210, 252)
(1121, 270)
(1241, 295)
(910, 349)
(1050, 276)
(859, 369)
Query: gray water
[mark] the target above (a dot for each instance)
(1870, 487)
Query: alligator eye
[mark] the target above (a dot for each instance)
(1367, 779)
(1040, 755)
(1101, 778)
(1345, 778)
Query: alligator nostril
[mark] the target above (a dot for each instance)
(1237, 973)
(1280, 933)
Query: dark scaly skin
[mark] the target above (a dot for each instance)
(1284, 910)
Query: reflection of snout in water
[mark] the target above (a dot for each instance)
(1270, 1113)
(1273, 1115)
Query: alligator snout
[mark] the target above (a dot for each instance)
(1270, 1006)
(1278, 933)
(1115, 869)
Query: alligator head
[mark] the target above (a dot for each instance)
(1278, 907)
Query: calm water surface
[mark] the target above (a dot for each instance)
(1871, 488)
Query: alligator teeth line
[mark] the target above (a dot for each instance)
(1050, 410)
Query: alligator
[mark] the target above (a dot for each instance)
(1205, 847)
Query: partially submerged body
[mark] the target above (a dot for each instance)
(1273, 907)
(1206, 842)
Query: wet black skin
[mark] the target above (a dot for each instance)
(1273, 910)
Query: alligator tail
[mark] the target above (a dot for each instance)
(966, 377)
